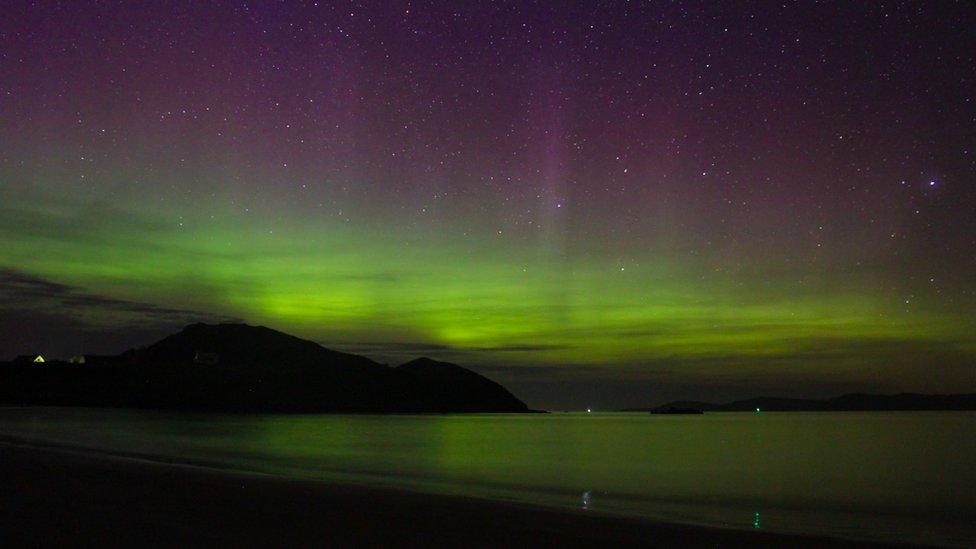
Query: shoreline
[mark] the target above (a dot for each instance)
(63, 496)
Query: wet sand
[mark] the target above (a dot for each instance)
(57, 497)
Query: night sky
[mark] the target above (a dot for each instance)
(594, 203)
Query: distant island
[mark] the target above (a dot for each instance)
(846, 403)
(241, 368)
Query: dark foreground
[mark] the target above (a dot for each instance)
(53, 497)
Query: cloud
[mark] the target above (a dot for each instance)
(16, 285)
(24, 291)
(41, 315)
(392, 347)
(522, 348)
(412, 349)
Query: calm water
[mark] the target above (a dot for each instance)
(890, 476)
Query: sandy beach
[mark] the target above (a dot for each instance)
(59, 497)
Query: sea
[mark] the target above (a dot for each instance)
(880, 476)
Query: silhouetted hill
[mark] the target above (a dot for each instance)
(845, 403)
(251, 347)
(461, 389)
(236, 367)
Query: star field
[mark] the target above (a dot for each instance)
(594, 202)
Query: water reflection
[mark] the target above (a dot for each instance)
(671, 467)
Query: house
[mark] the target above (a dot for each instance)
(77, 359)
(28, 359)
(206, 358)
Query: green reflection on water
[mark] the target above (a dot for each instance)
(888, 474)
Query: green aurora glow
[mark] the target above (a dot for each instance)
(483, 299)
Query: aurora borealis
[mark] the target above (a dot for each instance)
(603, 203)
